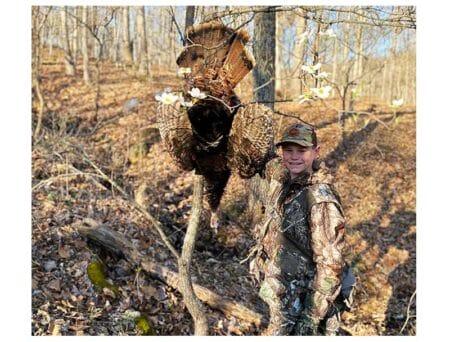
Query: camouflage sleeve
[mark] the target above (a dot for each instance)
(327, 236)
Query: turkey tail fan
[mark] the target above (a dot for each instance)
(207, 46)
(217, 57)
(251, 140)
(239, 61)
(176, 134)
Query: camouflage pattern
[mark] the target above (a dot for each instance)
(299, 252)
(299, 133)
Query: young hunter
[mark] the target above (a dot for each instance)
(300, 242)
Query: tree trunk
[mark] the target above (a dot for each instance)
(346, 42)
(144, 67)
(384, 81)
(194, 306)
(360, 50)
(279, 65)
(299, 50)
(264, 52)
(334, 78)
(84, 46)
(68, 57)
(75, 36)
(116, 40)
(36, 63)
(49, 36)
(190, 15)
(127, 49)
(316, 48)
(116, 243)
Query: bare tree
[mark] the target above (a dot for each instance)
(279, 65)
(316, 47)
(144, 66)
(75, 34)
(190, 16)
(68, 56)
(127, 47)
(84, 45)
(264, 52)
(299, 48)
(38, 23)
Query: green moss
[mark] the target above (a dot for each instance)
(143, 326)
(96, 274)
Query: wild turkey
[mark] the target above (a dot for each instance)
(217, 134)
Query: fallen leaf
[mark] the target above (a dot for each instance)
(55, 285)
(64, 251)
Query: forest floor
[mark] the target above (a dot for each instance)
(375, 173)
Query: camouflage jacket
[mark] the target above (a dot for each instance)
(303, 217)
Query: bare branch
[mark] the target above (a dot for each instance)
(184, 262)
(408, 316)
(172, 14)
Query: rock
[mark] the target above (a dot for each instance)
(78, 273)
(160, 294)
(50, 265)
(74, 291)
(121, 272)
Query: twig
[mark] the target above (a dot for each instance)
(378, 149)
(408, 316)
(286, 114)
(372, 116)
(51, 179)
(263, 85)
(246, 22)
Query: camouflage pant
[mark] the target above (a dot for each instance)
(287, 308)
(287, 290)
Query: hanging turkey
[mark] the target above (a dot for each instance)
(215, 134)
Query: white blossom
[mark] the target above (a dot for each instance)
(322, 75)
(195, 92)
(185, 103)
(184, 70)
(397, 103)
(166, 98)
(322, 92)
(328, 33)
(310, 69)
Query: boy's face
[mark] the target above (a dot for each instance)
(298, 158)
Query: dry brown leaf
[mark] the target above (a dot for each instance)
(64, 251)
(55, 285)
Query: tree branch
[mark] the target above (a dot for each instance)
(408, 316)
(184, 262)
(118, 244)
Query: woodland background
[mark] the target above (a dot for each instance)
(95, 74)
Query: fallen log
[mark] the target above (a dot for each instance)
(118, 244)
